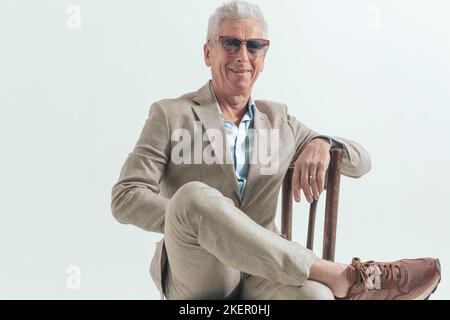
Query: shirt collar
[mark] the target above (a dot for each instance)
(250, 110)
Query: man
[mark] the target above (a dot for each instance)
(214, 198)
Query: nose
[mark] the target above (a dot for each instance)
(242, 55)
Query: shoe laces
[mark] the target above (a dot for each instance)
(371, 273)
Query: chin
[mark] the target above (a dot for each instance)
(241, 85)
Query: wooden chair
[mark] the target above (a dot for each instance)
(331, 207)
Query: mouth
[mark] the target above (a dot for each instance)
(240, 71)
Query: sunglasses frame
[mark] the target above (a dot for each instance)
(242, 42)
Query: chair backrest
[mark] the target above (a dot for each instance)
(331, 207)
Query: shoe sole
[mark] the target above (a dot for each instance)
(426, 295)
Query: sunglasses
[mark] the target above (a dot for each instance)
(255, 47)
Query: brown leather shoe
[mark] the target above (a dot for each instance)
(408, 279)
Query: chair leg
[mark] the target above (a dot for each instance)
(286, 205)
(331, 206)
(311, 225)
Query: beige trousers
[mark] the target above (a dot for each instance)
(215, 251)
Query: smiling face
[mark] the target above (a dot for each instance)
(235, 74)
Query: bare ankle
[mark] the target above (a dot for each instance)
(333, 275)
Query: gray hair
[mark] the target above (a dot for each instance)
(235, 10)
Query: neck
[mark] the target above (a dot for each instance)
(233, 107)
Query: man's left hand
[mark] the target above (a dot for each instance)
(310, 169)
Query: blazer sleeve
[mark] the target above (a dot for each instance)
(135, 197)
(355, 160)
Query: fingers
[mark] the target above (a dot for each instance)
(317, 172)
(313, 181)
(302, 176)
(321, 172)
(304, 180)
(309, 175)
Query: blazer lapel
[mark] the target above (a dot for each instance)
(207, 111)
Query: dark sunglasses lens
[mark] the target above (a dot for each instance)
(256, 46)
(231, 45)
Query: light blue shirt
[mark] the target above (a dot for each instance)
(239, 140)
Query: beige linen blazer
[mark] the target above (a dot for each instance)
(149, 176)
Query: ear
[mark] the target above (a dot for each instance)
(206, 54)
(262, 65)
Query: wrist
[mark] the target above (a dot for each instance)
(323, 140)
